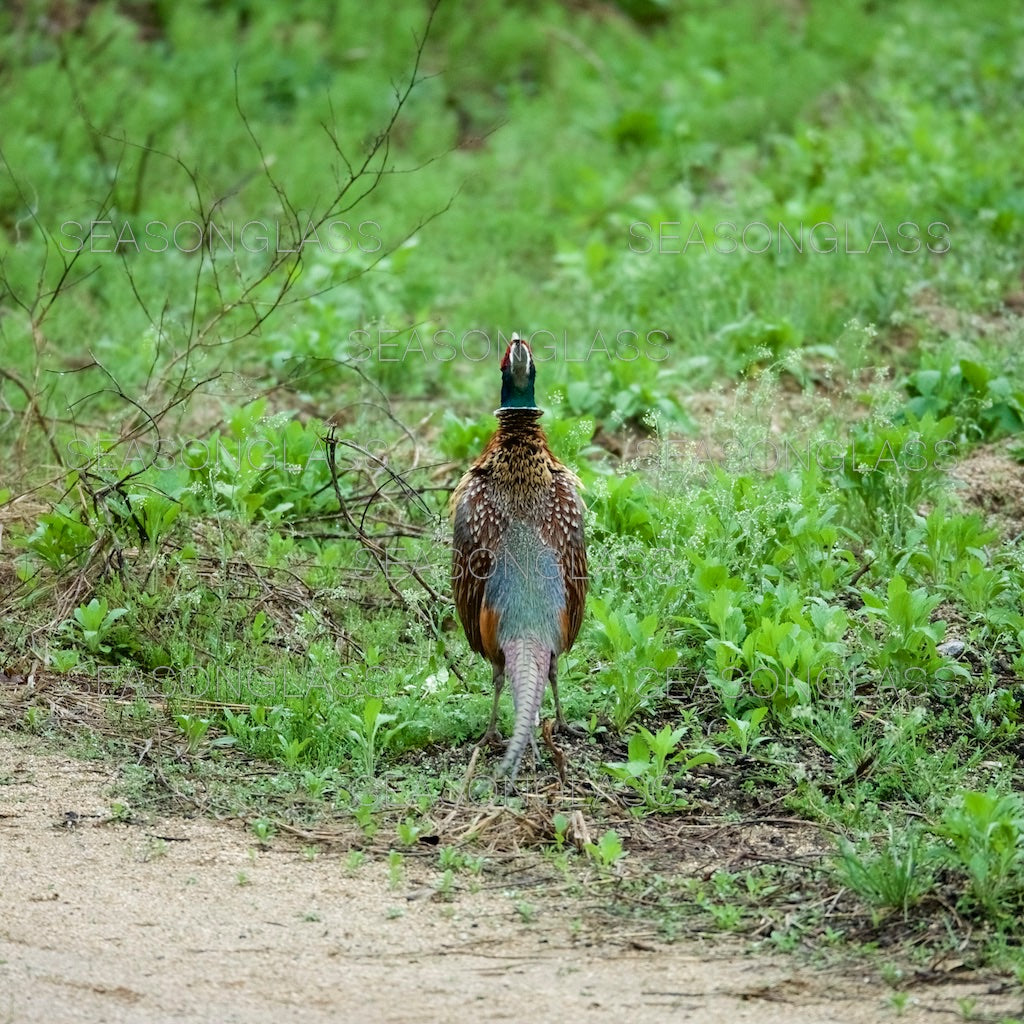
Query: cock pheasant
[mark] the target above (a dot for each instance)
(519, 563)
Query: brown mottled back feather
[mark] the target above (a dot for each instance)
(516, 477)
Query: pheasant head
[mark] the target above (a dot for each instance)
(518, 374)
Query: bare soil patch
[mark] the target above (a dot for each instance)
(187, 919)
(993, 482)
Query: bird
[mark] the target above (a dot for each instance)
(519, 559)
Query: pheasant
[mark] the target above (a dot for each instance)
(519, 563)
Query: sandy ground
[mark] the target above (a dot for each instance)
(183, 920)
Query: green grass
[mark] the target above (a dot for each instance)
(773, 588)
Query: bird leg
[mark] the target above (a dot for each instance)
(535, 750)
(492, 736)
(548, 730)
(561, 725)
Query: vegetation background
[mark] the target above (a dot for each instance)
(259, 264)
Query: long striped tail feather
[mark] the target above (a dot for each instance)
(527, 661)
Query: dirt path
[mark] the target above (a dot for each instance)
(106, 922)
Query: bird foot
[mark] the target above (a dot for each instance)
(562, 726)
(491, 738)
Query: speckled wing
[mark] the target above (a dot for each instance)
(474, 541)
(563, 531)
